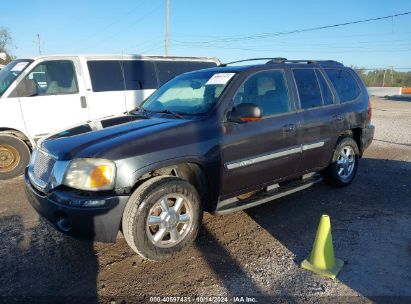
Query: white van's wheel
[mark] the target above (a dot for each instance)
(14, 156)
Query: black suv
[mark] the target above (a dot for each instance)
(219, 140)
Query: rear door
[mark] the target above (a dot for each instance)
(258, 152)
(60, 98)
(319, 118)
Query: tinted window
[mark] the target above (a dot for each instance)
(106, 75)
(325, 90)
(345, 85)
(50, 78)
(308, 88)
(169, 69)
(139, 75)
(266, 89)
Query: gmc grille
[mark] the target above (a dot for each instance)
(43, 165)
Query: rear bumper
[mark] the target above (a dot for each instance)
(94, 223)
(367, 137)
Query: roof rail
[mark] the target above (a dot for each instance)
(285, 60)
(321, 62)
(244, 60)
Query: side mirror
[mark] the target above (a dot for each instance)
(26, 88)
(245, 112)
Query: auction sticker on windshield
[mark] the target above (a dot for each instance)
(19, 66)
(220, 78)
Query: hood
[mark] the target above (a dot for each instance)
(97, 138)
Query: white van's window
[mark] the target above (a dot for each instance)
(170, 69)
(54, 77)
(10, 72)
(139, 74)
(106, 75)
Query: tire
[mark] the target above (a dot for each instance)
(147, 201)
(14, 156)
(340, 173)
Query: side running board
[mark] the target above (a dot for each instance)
(271, 193)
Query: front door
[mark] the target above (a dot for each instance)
(258, 152)
(58, 100)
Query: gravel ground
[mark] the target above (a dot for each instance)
(251, 253)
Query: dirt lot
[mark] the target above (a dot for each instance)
(251, 253)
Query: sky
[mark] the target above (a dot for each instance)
(227, 29)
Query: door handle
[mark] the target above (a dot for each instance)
(338, 118)
(289, 128)
(83, 102)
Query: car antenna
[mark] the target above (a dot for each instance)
(124, 82)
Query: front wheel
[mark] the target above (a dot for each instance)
(162, 217)
(14, 156)
(344, 163)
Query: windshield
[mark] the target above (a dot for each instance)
(10, 72)
(192, 93)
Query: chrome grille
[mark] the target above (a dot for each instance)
(42, 167)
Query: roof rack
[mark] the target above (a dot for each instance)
(278, 60)
(323, 62)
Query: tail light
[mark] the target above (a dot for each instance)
(369, 110)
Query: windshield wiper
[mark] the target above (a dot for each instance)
(175, 114)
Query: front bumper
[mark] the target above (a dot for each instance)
(367, 137)
(95, 223)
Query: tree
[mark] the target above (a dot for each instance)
(6, 41)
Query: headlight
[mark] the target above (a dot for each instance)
(90, 174)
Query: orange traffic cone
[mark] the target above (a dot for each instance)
(321, 260)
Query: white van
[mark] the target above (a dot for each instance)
(48, 93)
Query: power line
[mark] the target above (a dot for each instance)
(380, 68)
(268, 35)
(132, 24)
(121, 18)
(145, 43)
(153, 46)
(307, 49)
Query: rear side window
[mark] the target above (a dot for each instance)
(106, 75)
(325, 90)
(170, 69)
(345, 85)
(139, 75)
(308, 88)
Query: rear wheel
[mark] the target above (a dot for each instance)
(14, 156)
(344, 163)
(162, 217)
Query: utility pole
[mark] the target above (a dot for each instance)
(167, 19)
(392, 76)
(383, 78)
(39, 43)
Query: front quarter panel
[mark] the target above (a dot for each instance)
(198, 144)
